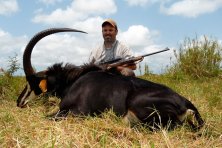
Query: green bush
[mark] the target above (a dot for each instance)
(198, 58)
(9, 86)
(13, 66)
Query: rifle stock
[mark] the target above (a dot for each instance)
(133, 59)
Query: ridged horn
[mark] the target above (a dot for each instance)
(28, 69)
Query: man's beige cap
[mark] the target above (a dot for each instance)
(111, 22)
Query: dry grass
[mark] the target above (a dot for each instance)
(29, 127)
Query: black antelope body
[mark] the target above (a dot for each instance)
(90, 90)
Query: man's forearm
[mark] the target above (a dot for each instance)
(130, 66)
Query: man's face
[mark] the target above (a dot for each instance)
(109, 33)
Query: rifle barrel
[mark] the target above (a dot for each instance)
(134, 59)
(155, 52)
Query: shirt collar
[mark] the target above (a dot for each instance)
(112, 45)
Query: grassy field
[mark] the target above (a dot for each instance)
(29, 127)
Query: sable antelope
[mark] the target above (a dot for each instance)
(90, 90)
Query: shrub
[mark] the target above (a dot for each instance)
(13, 66)
(198, 58)
(8, 85)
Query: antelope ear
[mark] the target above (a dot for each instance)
(43, 85)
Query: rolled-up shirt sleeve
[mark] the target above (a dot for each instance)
(91, 57)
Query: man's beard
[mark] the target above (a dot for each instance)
(108, 39)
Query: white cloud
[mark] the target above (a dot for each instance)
(192, 8)
(141, 40)
(137, 36)
(8, 43)
(8, 6)
(137, 2)
(92, 26)
(10, 46)
(77, 11)
(66, 47)
(63, 47)
(158, 62)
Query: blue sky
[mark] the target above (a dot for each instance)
(144, 25)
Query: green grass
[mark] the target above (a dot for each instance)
(29, 127)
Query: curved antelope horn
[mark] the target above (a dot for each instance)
(28, 69)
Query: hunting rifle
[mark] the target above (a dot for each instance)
(120, 61)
